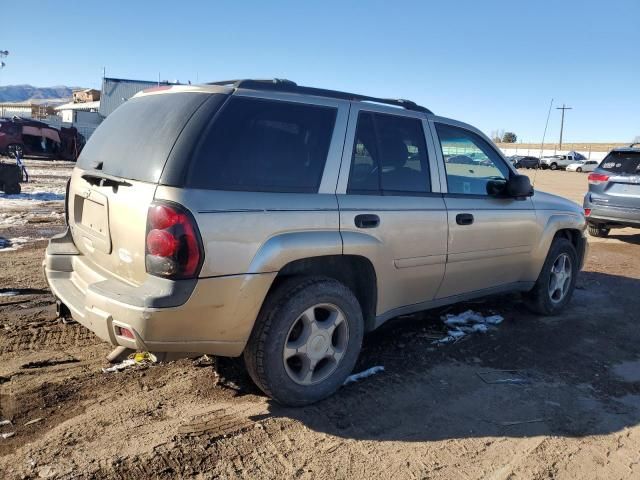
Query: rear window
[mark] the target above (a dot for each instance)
(135, 140)
(265, 146)
(622, 162)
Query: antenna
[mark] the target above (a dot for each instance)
(542, 144)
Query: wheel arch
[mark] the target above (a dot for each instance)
(354, 271)
(562, 225)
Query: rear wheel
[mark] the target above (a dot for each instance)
(598, 230)
(557, 280)
(306, 340)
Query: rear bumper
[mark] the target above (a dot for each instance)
(613, 216)
(212, 315)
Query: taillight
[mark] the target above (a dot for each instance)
(598, 178)
(173, 245)
(587, 212)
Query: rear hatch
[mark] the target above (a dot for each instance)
(116, 177)
(619, 183)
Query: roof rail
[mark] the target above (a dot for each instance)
(283, 85)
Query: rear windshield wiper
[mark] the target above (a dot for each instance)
(104, 180)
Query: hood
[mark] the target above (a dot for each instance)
(548, 201)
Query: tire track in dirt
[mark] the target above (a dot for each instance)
(55, 336)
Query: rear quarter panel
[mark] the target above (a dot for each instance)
(259, 232)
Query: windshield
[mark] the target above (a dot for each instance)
(622, 162)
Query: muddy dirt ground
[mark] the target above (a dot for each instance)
(435, 412)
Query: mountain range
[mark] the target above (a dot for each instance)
(24, 93)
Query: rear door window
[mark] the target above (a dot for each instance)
(389, 156)
(622, 162)
(264, 146)
(135, 140)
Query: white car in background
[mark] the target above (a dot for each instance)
(583, 166)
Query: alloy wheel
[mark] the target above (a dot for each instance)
(316, 343)
(560, 278)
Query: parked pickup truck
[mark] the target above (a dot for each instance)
(555, 162)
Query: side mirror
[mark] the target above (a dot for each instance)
(519, 186)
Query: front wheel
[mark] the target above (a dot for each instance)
(579, 170)
(15, 149)
(306, 340)
(553, 166)
(557, 280)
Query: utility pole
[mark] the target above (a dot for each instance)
(563, 108)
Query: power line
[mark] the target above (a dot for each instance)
(563, 108)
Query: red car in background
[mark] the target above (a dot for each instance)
(31, 138)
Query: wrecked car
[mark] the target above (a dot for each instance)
(31, 138)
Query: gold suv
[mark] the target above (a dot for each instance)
(283, 222)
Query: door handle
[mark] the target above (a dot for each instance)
(367, 221)
(464, 219)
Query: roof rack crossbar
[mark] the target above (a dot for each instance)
(283, 85)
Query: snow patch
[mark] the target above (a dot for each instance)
(466, 323)
(12, 244)
(37, 196)
(15, 219)
(367, 373)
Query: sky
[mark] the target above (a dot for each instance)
(494, 64)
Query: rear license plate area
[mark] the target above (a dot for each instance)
(91, 218)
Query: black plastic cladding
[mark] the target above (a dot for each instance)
(282, 85)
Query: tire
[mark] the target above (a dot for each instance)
(281, 324)
(13, 148)
(12, 189)
(579, 170)
(598, 230)
(541, 299)
(553, 166)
